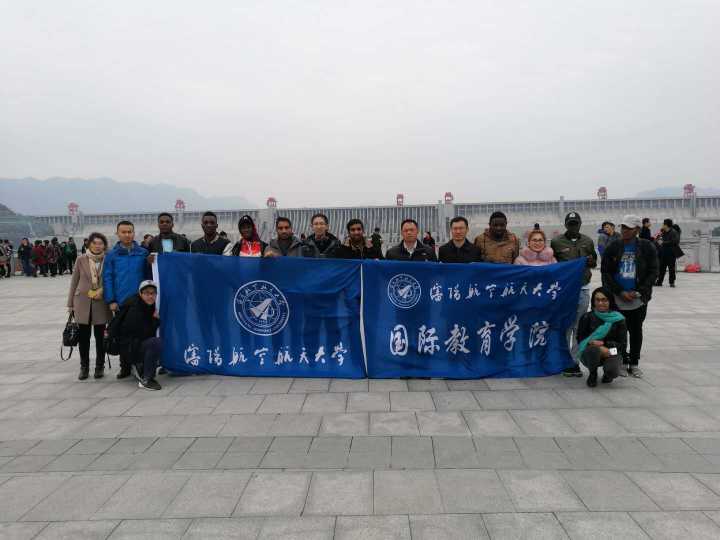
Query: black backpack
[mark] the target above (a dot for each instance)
(114, 343)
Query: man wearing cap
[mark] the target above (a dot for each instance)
(575, 245)
(629, 270)
(211, 243)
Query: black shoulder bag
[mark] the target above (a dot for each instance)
(70, 336)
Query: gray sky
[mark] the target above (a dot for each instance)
(327, 102)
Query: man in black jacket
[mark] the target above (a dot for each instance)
(410, 249)
(211, 243)
(629, 270)
(321, 242)
(168, 241)
(356, 246)
(459, 249)
(669, 242)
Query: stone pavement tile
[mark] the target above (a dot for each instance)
(211, 444)
(156, 461)
(591, 421)
(397, 423)
(459, 400)
(499, 399)
(541, 399)
(411, 401)
(541, 422)
(248, 425)
(331, 444)
(442, 423)
(20, 531)
(639, 420)
(350, 424)
(299, 528)
(209, 495)
(704, 446)
(16, 448)
(240, 460)
(77, 499)
(51, 447)
(196, 387)
(407, 492)
(673, 525)
(201, 425)
(524, 527)
(284, 460)
(153, 406)
(600, 526)
(710, 480)
(152, 426)
(368, 402)
(545, 460)
(537, 444)
(387, 385)
(689, 418)
(224, 528)
(67, 408)
(582, 398)
(244, 404)
(491, 423)
(271, 386)
(144, 495)
(112, 462)
(325, 403)
(427, 385)
(687, 463)
(626, 397)
(20, 494)
(340, 493)
(676, 491)
(607, 490)
(132, 445)
(326, 460)
(714, 515)
(495, 445)
(109, 427)
(412, 453)
(372, 528)
(64, 428)
(71, 462)
(282, 403)
(274, 493)
(370, 453)
(196, 405)
(660, 446)
(150, 529)
(455, 452)
(77, 530)
(250, 444)
(668, 395)
(232, 386)
(506, 384)
(295, 425)
(349, 385)
(472, 491)
(198, 460)
(92, 446)
(26, 464)
(447, 527)
(306, 386)
(114, 391)
(171, 444)
(539, 491)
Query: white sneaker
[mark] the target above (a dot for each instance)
(636, 372)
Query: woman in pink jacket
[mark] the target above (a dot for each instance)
(536, 253)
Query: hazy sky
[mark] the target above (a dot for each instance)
(329, 102)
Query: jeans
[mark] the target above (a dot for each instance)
(667, 263)
(634, 320)
(148, 357)
(84, 345)
(582, 307)
(27, 267)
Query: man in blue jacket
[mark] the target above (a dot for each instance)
(124, 269)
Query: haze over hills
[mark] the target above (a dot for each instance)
(100, 195)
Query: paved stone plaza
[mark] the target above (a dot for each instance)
(214, 457)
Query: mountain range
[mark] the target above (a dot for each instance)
(104, 195)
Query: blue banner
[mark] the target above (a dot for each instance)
(468, 320)
(273, 317)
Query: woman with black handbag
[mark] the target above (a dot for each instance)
(85, 300)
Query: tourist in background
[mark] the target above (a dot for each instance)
(496, 243)
(567, 247)
(147, 238)
(356, 246)
(249, 244)
(4, 257)
(286, 244)
(428, 240)
(536, 253)
(629, 270)
(167, 241)
(71, 253)
(125, 268)
(377, 239)
(85, 300)
(602, 334)
(52, 255)
(459, 249)
(211, 243)
(62, 259)
(410, 249)
(38, 259)
(25, 256)
(669, 251)
(606, 236)
(645, 231)
(321, 242)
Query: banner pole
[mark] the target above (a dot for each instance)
(362, 318)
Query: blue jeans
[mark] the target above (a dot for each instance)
(582, 307)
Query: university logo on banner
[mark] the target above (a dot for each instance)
(261, 308)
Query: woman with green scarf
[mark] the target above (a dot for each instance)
(602, 336)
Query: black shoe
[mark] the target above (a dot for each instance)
(592, 379)
(149, 384)
(573, 371)
(672, 285)
(84, 373)
(606, 380)
(124, 373)
(658, 284)
(99, 372)
(162, 371)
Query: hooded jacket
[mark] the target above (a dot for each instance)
(123, 272)
(528, 257)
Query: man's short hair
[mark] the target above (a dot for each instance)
(124, 222)
(457, 219)
(668, 222)
(281, 219)
(409, 220)
(646, 220)
(161, 214)
(354, 221)
(319, 215)
(209, 213)
(377, 229)
(497, 215)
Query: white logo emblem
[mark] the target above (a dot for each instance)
(404, 291)
(261, 308)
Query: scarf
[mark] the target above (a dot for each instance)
(608, 318)
(95, 269)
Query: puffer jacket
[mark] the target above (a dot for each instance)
(646, 267)
(123, 272)
(528, 257)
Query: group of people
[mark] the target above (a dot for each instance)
(6, 258)
(112, 287)
(45, 258)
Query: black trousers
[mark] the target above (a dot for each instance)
(667, 263)
(53, 268)
(148, 358)
(634, 320)
(84, 345)
(592, 359)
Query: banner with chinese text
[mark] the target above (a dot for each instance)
(467, 321)
(275, 317)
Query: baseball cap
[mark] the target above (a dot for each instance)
(631, 221)
(147, 283)
(573, 216)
